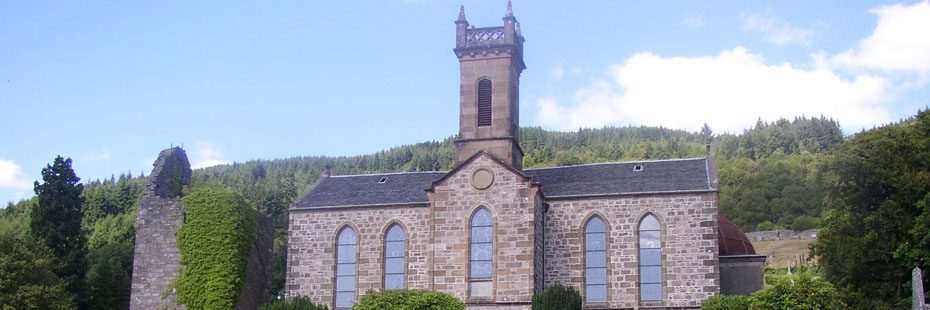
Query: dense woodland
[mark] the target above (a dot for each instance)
(785, 174)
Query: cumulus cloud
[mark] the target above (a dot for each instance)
(728, 91)
(777, 32)
(206, 154)
(694, 21)
(899, 42)
(12, 177)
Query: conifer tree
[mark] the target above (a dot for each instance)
(56, 221)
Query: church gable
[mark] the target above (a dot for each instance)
(509, 269)
(479, 172)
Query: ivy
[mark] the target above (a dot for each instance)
(215, 241)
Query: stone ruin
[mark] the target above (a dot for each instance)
(156, 258)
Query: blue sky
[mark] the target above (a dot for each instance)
(110, 84)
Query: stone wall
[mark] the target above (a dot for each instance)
(689, 245)
(437, 241)
(311, 253)
(512, 202)
(773, 235)
(156, 259)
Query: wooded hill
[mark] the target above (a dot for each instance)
(768, 177)
(869, 192)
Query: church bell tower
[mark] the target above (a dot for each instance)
(490, 63)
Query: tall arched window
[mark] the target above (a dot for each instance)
(394, 253)
(595, 260)
(484, 102)
(482, 245)
(650, 259)
(346, 248)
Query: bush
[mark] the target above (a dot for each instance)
(297, 303)
(409, 300)
(727, 302)
(801, 291)
(215, 241)
(558, 297)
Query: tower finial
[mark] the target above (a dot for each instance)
(509, 10)
(461, 19)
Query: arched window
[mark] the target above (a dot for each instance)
(484, 102)
(346, 248)
(650, 259)
(394, 253)
(482, 245)
(595, 260)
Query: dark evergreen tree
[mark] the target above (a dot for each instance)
(56, 221)
(870, 242)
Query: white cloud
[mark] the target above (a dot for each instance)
(900, 41)
(12, 177)
(728, 91)
(777, 32)
(206, 154)
(694, 21)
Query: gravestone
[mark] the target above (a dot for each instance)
(917, 285)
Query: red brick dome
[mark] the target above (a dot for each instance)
(732, 240)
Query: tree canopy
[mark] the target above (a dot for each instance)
(56, 220)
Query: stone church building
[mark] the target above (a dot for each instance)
(627, 235)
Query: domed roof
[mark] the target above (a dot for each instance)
(732, 240)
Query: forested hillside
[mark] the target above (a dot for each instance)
(769, 177)
(768, 173)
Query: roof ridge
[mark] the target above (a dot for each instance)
(386, 173)
(621, 162)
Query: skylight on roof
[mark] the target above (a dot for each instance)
(637, 167)
(382, 180)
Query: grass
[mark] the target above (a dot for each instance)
(784, 252)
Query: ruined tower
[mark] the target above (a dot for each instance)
(490, 63)
(156, 259)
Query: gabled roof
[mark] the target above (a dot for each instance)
(473, 158)
(660, 176)
(657, 176)
(363, 190)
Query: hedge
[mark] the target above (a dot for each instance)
(297, 303)
(558, 297)
(215, 240)
(408, 299)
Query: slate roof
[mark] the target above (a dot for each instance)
(620, 178)
(581, 180)
(360, 190)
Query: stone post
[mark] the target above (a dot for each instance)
(917, 285)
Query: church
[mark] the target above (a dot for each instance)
(627, 235)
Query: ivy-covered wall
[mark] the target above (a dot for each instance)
(215, 240)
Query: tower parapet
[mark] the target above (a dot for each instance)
(490, 64)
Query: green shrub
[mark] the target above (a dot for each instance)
(408, 300)
(727, 302)
(297, 303)
(558, 297)
(215, 241)
(798, 292)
